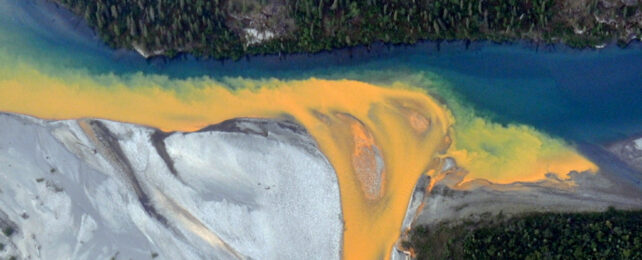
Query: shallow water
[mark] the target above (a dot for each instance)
(581, 95)
(507, 107)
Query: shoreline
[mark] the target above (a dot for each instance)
(441, 202)
(549, 24)
(377, 48)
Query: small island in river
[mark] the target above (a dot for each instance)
(452, 148)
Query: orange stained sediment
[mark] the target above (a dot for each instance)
(350, 120)
(380, 116)
(365, 158)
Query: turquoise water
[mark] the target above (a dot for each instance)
(591, 96)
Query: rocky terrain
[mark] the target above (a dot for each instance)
(96, 189)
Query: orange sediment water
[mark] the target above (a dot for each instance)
(343, 116)
(354, 123)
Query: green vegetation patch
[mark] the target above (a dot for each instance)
(604, 235)
(234, 28)
(160, 25)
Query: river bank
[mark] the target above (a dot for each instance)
(508, 106)
(229, 29)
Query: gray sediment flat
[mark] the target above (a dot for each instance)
(93, 189)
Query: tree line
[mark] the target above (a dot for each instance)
(613, 234)
(609, 235)
(200, 27)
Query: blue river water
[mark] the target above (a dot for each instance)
(590, 96)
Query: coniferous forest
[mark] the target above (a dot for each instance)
(612, 234)
(234, 28)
